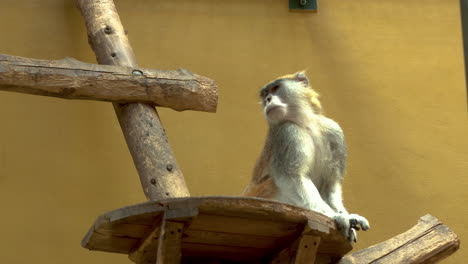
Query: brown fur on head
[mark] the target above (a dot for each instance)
(301, 78)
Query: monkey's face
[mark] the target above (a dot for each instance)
(282, 98)
(290, 98)
(274, 106)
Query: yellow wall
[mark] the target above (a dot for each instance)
(390, 72)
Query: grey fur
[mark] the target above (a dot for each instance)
(308, 159)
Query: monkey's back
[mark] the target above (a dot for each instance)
(330, 153)
(261, 184)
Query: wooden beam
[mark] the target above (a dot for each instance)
(427, 242)
(160, 175)
(169, 243)
(302, 250)
(72, 79)
(147, 250)
(171, 226)
(307, 249)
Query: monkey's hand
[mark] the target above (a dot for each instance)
(349, 223)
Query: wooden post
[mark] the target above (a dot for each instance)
(159, 173)
(307, 249)
(302, 250)
(170, 243)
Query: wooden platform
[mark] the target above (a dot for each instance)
(220, 229)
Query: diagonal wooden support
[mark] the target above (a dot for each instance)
(72, 79)
(159, 173)
(429, 241)
(303, 250)
(162, 246)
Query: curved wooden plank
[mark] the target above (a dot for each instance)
(255, 228)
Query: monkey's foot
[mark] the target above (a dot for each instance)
(357, 222)
(349, 223)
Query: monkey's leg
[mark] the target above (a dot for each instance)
(301, 191)
(292, 158)
(335, 200)
(333, 196)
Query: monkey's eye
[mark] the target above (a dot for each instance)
(274, 88)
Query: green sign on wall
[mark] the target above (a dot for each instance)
(308, 5)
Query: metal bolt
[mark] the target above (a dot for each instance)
(153, 181)
(137, 73)
(303, 2)
(169, 167)
(108, 30)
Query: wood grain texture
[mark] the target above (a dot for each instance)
(304, 249)
(72, 79)
(146, 251)
(427, 242)
(250, 230)
(154, 159)
(254, 230)
(307, 249)
(169, 243)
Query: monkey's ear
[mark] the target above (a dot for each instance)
(301, 77)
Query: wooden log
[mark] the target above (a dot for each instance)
(428, 241)
(72, 79)
(159, 173)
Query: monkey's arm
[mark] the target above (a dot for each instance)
(333, 134)
(292, 158)
(261, 184)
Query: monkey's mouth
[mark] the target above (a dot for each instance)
(271, 109)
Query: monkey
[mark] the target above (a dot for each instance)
(304, 156)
